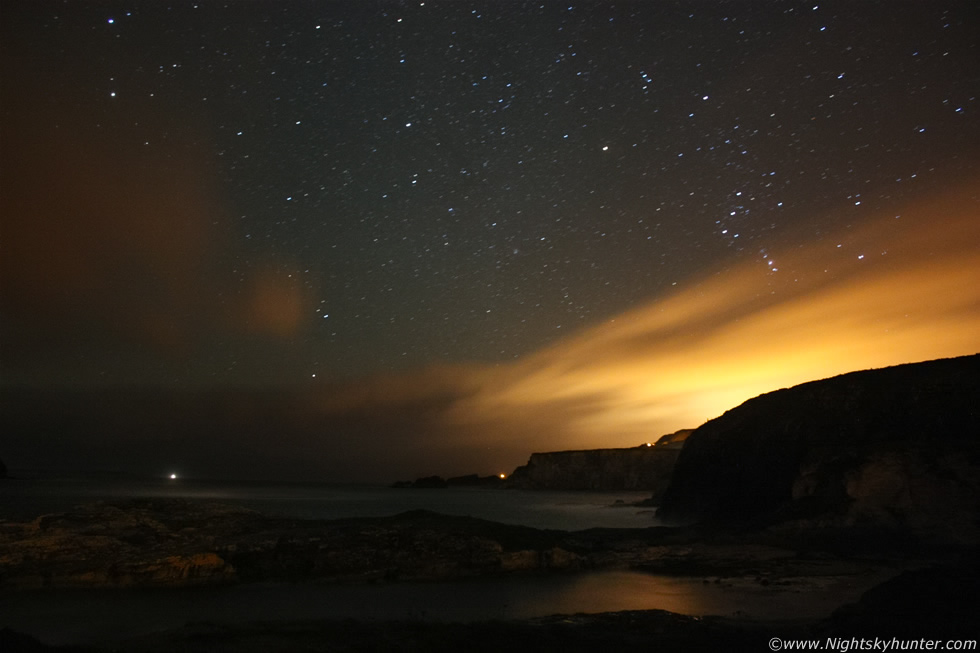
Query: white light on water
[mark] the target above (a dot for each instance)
(173, 477)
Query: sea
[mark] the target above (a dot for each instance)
(30, 496)
(79, 617)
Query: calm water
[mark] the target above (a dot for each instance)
(82, 616)
(78, 617)
(26, 499)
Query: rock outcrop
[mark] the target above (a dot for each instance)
(674, 440)
(180, 543)
(103, 545)
(916, 604)
(475, 480)
(438, 482)
(177, 543)
(895, 449)
(424, 483)
(647, 467)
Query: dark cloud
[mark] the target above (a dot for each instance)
(113, 250)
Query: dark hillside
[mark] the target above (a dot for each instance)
(897, 447)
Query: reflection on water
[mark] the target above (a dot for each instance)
(83, 616)
(627, 590)
(87, 616)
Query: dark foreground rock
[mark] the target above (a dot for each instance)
(617, 631)
(180, 543)
(941, 600)
(588, 633)
(894, 450)
(11, 640)
(932, 605)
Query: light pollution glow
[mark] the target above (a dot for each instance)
(895, 290)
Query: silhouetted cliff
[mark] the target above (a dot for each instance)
(647, 467)
(894, 448)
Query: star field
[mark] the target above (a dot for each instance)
(343, 188)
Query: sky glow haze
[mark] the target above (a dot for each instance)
(877, 300)
(405, 238)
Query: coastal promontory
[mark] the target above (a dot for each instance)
(646, 467)
(894, 449)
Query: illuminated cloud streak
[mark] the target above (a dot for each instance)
(895, 290)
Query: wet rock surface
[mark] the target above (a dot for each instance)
(179, 544)
(134, 544)
(934, 604)
(919, 603)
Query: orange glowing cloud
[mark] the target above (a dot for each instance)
(109, 241)
(277, 303)
(895, 290)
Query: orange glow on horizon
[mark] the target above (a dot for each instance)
(894, 291)
(889, 292)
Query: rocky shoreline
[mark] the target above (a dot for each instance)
(867, 476)
(172, 543)
(178, 543)
(182, 543)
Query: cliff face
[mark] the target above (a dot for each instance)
(895, 448)
(639, 468)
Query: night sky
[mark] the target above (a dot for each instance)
(513, 204)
